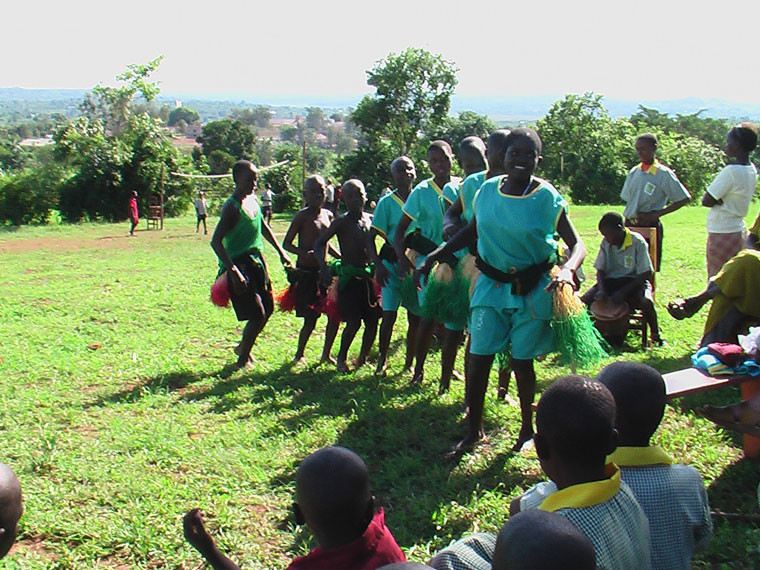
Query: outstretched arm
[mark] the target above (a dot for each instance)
(404, 265)
(653, 217)
(266, 231)
(452, 219)
(465, 237)
(570, 236)
(197, 535)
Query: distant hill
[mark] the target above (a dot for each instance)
(506, 108)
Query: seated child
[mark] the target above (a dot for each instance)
(307, 225)
(673, 496)
(11, 508)
(623, 269)
(539, 540)
(357, 299)
(575, 432)
(333, 499)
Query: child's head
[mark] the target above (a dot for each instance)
(646, 146)
(11, 508)
(202, 194)
(523, 152)
(245, 175)
(741, 139)
(575, 425)
(472, 155)
(639, 392)
(403, 172)
(333, 496)
(439, 158)
(612, 227)
(540, 540)
(314, 191)
(496, 147)
(354, 195)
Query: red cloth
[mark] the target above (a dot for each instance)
(728, 353)
(374, 549)
(134, 215)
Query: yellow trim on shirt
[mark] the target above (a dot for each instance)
(399, 201)
(434, 186)
(640, 456)
(627, 240)
(585, 494)
(652, 169)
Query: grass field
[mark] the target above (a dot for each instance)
(121, 411)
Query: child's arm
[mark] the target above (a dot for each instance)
(269, 236)
(230, 218)
(381, 271)
(708, 201)
(319, 250)
(464, 237)
(290, 235)
(637, 282)
(197, 535)
(653, 217)
(569, 235)
(452, 219)
(404, 265)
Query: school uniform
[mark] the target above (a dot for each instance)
(516, 238)
(674, 500)
(467, 190)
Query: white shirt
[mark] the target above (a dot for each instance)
(735, 185)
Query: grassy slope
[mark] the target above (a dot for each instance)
(114, 444)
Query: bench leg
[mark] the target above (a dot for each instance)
(751, 443)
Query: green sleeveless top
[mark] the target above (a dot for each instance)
(246, 235)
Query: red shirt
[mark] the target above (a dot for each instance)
(133, 213)
(375, 548)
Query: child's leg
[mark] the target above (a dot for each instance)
(250, 332)
(349, 332)
(331, 331)
(197, 225)
(424, 340)
(479, 368)
(650, 315)
(451, 341)
(205, 228)
(526, 390)
(411, 338)
(368, 339)
(386, 330)
(308, 327)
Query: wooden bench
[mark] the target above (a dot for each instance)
(694, 381)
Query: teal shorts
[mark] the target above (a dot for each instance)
(452, 326)
(494, 330)
(391, 293)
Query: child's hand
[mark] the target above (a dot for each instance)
(285, 260)
(405, 267)
(325, 277)
(195, 531)
(423, 270)
(563, 276)
(238, 280)
(382, 274)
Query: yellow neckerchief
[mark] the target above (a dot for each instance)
(434, 186)
(652, 168)
(399, 201)
(627, 240)
(639, 456)
(585, 494)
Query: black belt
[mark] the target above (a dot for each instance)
(523, 282)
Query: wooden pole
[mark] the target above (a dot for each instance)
(303, 164)
(161, 189)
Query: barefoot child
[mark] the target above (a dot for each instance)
(308, 224)
(673, 496)
(357, 300)
(334, 500)
(237, 242)
(516, 218)
(387, 215)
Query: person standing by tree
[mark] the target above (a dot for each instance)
(237, 243)
(134, 213)
(266, 202)
(648, 189)
(201, 212)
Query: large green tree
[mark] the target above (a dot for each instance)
(182, 114)
(233, 137)
(412, 95)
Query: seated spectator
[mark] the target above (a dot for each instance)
(673, 496)
(333, 499)
(11, 508)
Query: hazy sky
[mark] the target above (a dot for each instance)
(637, 51)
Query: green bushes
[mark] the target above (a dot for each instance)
(30, 196)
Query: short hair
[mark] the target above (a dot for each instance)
(611, 220)
(523, 132)
(639, 392)
(651, 138)
(472, 144)
(399, 159)
(746, 135)
(11, 507)
(354, 183)
(314, 178)
(441, 145)
(540, 540)
(576, 415)
(242, 167)
(333, 492)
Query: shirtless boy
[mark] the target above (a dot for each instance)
(357, 300)
(308, 225)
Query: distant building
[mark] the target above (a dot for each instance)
(194, 130)
(37, 142)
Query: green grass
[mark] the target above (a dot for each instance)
(114, 444)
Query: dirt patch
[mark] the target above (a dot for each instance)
(35, 546)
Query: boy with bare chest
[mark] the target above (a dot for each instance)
(357, 300)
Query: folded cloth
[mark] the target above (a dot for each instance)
(728, 353)
(703, 360)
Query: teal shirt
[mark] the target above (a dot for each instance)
(425, 207)
(467, 191)
(450, 192)
(387, 215)
(515, 232)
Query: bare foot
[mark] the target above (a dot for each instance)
(328, 360)
(382, 368)
(467, 444)
(240, 364)
(299, 361)
(417, 378)
(524, 437)
(457, 375)
(443, 387)
(342, 366)
(359, 362)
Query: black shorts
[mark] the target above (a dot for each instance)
(201, 217)
(266, 210)
(246, 305)
(358, 300)
(309, 292)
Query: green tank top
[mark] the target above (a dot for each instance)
(246, 235)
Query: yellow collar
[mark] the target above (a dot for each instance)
(584, 494)
(639, 456)
(399, 201)
(627, 240)
(435, 186)
(652, 169)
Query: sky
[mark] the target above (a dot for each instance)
(667, 50)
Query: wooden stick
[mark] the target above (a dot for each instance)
(736, 516)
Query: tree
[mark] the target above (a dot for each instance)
(315, 118)
(232, 137)
(469, 123)
(412, 94)
(183, 114)
(258, 116)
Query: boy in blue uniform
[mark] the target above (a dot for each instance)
(673, 496)
(388, 213)
(425, 208)
(516, 218)
(623, 270)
